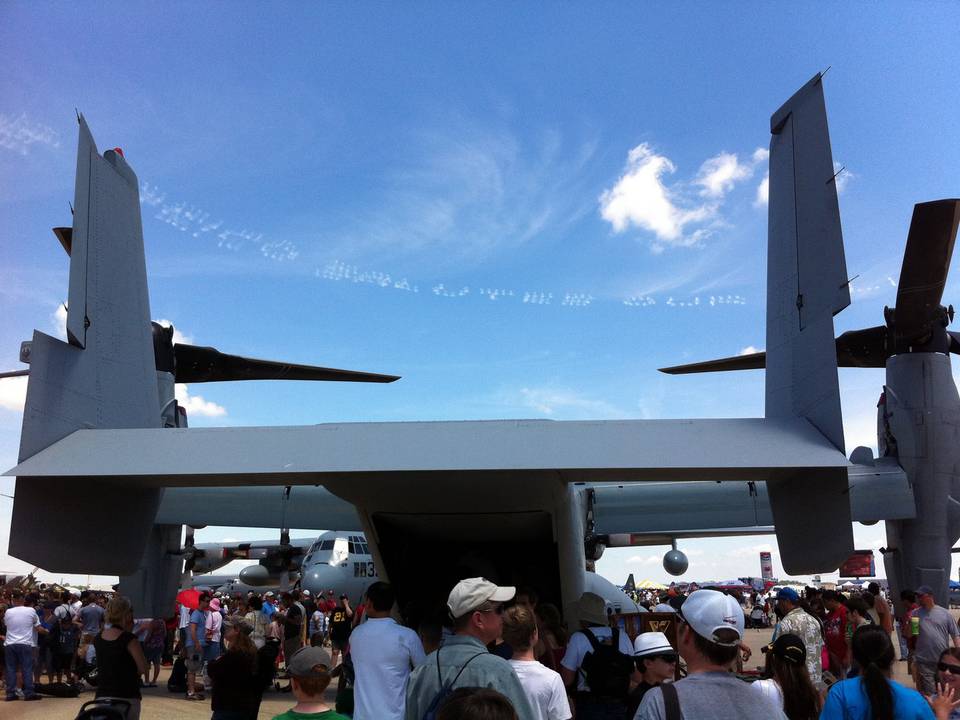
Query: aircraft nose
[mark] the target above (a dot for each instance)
(321, 577)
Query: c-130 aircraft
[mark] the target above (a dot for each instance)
(513, 494)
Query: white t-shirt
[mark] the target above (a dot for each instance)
(579, 646)
(383, 653)
(544, 689)
(214, 624)
(184, 617)
(20, 622)
(769, 689)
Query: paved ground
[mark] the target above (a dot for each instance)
(158, 704)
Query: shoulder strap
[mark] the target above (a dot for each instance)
(457, 677)
(671, 702)
(594, 642)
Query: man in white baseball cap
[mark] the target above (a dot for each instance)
(711, 628)
(476, 607)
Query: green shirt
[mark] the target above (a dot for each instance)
(325, 715)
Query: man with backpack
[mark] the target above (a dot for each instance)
(598, 663)
(709, 635)
(476, 606)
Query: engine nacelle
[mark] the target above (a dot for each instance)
(255, 575)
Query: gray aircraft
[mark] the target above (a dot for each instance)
(918, 413)
(506, 497)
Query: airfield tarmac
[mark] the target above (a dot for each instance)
(158, 704)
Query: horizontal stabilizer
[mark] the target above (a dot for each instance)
(194, 364)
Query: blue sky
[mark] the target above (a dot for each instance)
(522, 209)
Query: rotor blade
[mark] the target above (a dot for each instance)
(926, 262)
(196, 364)
(14, 373)
(954, 342)
(863, 348)
(751, 361)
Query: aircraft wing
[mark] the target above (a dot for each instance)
(880, 491)
(758, 449)
(309, 508)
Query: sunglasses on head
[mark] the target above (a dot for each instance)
(498, 609)
(948, 668)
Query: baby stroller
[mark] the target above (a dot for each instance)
(104, 708)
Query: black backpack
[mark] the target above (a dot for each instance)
(607, 670)
(445, 688)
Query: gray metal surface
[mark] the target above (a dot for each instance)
(924, 409)
(310, 508)
(737, 449)
(103, 378)
(806, 287)
(705, 509)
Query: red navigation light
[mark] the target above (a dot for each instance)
(119, 151)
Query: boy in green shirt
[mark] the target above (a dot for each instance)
(309, 670)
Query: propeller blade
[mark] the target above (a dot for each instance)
(855, 348)
(752, 361)
(866, 348)
(14, 373)
(926, 262)
(196, 364)
(954, 342)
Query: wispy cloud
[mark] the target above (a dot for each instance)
(19, 134)
(553, 402)
(719, 174)
(178, 337)
(749, 350)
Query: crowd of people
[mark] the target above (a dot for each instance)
(497, 652)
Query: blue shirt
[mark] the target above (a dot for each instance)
(198, 618)
(268, 609)
(848, 701)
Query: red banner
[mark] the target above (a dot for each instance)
(859, 565)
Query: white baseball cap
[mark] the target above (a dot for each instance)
(707, 611)
(467, 595)
(652, 643)
(306, 593)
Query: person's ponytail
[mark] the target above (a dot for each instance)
(874, 654)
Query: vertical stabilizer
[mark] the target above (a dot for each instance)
(806, 286)
(104, 377)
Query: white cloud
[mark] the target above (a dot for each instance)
(763, 192)
(760, 155)
(178, 337)
(13, 393)
(843, 177)
(195, 405)
(641, 199)
(749, 350)
(19, 134)
(719, 174)
(555, 401)
(59, 319)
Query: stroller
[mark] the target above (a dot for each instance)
(104, 708)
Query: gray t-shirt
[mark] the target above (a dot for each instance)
(937, 626)
(91, 616)
(712, 696)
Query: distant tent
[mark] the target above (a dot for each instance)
(650, 585)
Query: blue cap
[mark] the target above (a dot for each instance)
(924, 590)
(788, 593)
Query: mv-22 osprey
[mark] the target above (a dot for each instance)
(510, 496)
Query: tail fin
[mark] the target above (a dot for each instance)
(105, 377)
(806, 286)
